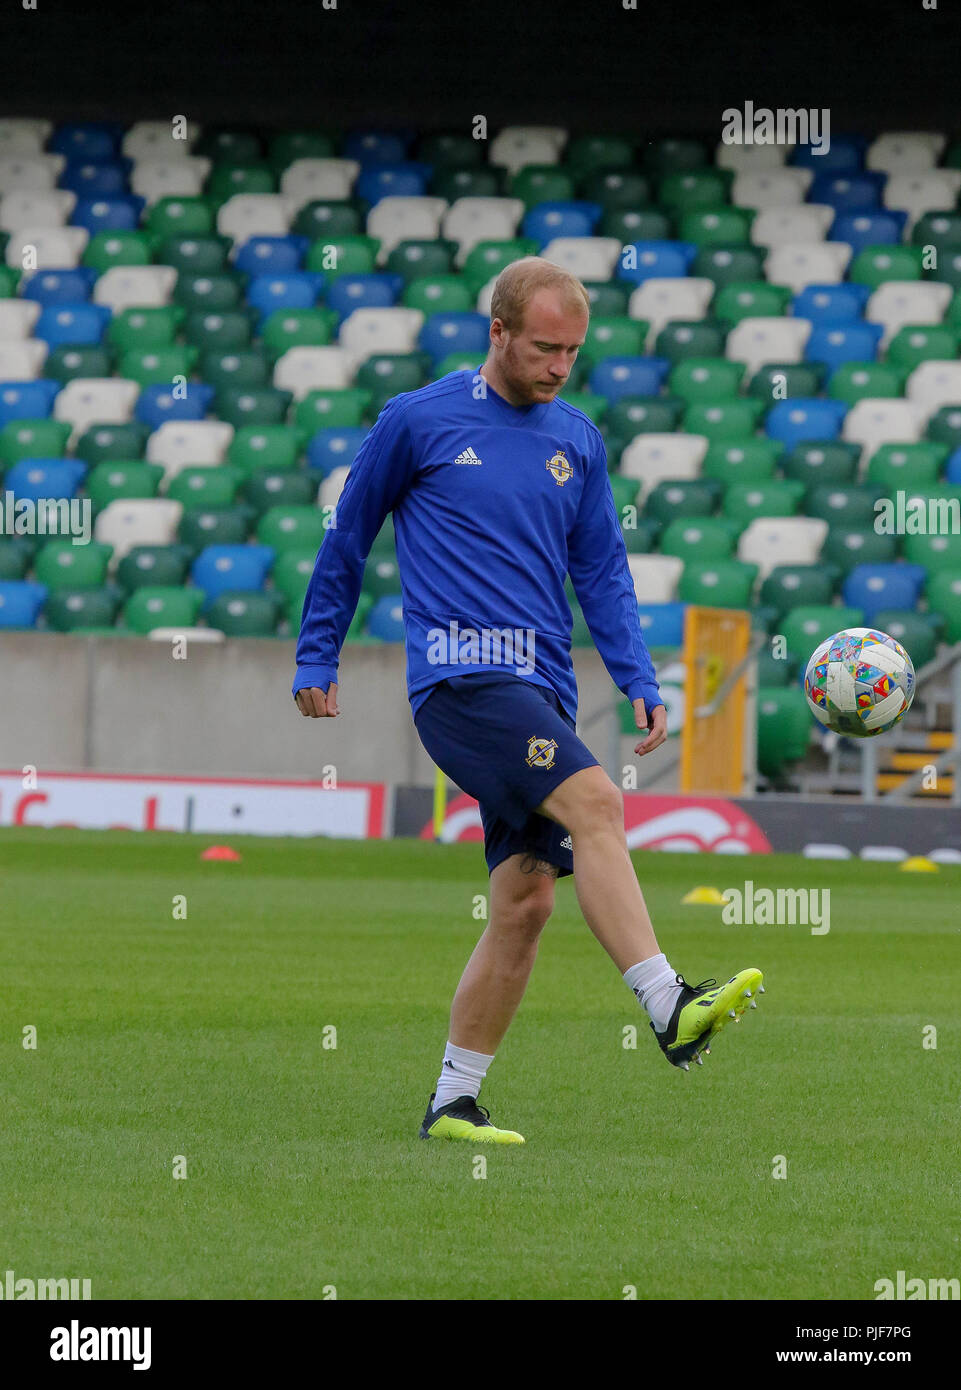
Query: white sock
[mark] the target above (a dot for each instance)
(461, 1074)
(655, 984)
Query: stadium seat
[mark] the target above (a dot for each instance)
(874, 588)
(791, 540)
(778, 381)
(240, 407)
(755, 341)
(834, 344)
(156, 565)
(830, 304)
(717, 583)
(842, 504)
(58, 286)
(747, 460)
(726, 265)
(793, 586)
(155, 606)
(821, 461)
(872, 423)
(943, 592)
(385, 619)
(617, 378)
(179, 443)
(805, 626)
(291, 528)
(71, 324)
(205, 526)
(736, 418)
(933, 552)
(219, 568)
(903, 465)
(128, 286)
(705, 379)
(334, 448)
(639, 261)
(205, 487)
(124, 523)
(26, 400)
(874, 228)
(857, 381)
(20, 603)
(59, 564)
(36, 479)
(917, 632)
(682, 338)
(662, 622)
(800, 264)
(653, 457)
(698, 538)
(659, 301)
(110, 440)
(848, 546)
(266, 488)
(802, 420)
(78, 610)
(32, 439)
(784, 726)
(244, 614)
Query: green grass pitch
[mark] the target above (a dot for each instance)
(204, 1038)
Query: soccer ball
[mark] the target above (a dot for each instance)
(860, 682)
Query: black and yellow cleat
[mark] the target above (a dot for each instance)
(702, 1011)
(463, 1118)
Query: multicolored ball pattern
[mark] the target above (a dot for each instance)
(860, 682)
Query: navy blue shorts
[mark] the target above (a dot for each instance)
(508, 744)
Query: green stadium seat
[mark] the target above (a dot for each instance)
(80, 609)
(438, 294)
(274, 447)
(195, 255)
(748, 460)
(636, 224)
(943, 592)
(153, 565)
(777, 381)
(541, 183)
(244, 614)
(228, 146)
(9, 280)
(750, 300)
(228, 331)
(677, 500)
(609, 299)
(906, 465)
(467, 182)
(179, 217)
(798, 586)
(289, 328)
(847, 546)
(615, 188)
(934, 552)
(625, 492)
(634, 415)
(772, 670)
(381, 578)
(268, 488)
(858, 381)
(291, 574)
(594, 407)
(692, 190)
(672, 155)
(805, 626)
(25, 439)
(105, 442)
(66, 363)
(822, 461)
(146, 328)
(247, 368)
(385, 542)
(290, 145)
(841, 505)
(205, 488)
(205, 526)
(419, 260)
(388, 374)
(157, 366)
(640, 534)
(730, 264)
(324, 219)
(117, 479)
(211, 294)
(62, 565)
(745, 502)
(107, 249)
(875, 265)
(488, 258)
(343, 255)
(698, 538)
(697, 379)
(291, 528)
(612, 337)
(717, 583)
(939, 229)
(784, 725)
(944, 427)
(735, 418)
(917, 632)
(716, 226)
(263, 405)
(14, 557)
(588, 153)
(680, 339)
(922, 342)
(228, 180)
(155, 606)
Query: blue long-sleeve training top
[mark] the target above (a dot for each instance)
(494, 505)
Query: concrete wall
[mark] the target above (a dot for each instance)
(123, 704)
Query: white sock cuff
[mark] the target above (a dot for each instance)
(653, 971)
(474, 1063)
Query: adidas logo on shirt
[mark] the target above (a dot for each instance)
(468, 456)
(566, 843)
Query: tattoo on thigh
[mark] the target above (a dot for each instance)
(530, 864)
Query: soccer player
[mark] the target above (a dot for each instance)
(499, 490)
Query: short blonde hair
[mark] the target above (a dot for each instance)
(519, 281)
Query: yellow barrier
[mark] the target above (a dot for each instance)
(712, 745)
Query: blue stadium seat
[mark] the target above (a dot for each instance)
(802, 418)
(271, 255)
(219, 568)
(876, 587)
(20, 602)
(548, 220)
(831, 303)
(655, 260)
(848, 192)
(386, 620)
(952, 469)
(662, 623)
(378, 290)
(72, 323)
(297, 290)
(26, 400)
(334, 448)
(455, 332)
(406, 180)
(94, 180)
(87, 141)
(837, 343)
(108, 214)
(59, 286)
(845, 155)
(375, 147)
(37, 478)
(616, 377)
(158, 404)
(860, 229)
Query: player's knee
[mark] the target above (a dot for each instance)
(528, 911)
(600, 808)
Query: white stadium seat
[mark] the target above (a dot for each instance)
(871, 422)
(89, 401)
(22, 359)
(135, 286)
(368, 331)
(747, 158)
(307, 180)
(23, 135)
(44, 207)
(802, 263)
(781, 540)
(515, 146)
(765, 188)
(53, 248)
(30, 171)
(395, 219)
(930, 190)
(653, 458)
(660, 300)
(137, 521)
(656, 577)
(755, 341)
(791, 223)
(587, 257)
(898, 303)
(154, 179)
(332, 487)
(155, 140)
(305, 369)
(17, 317)
(470, 220)
(905, 150)
(933, 384)
(181, 444)
(254, 214)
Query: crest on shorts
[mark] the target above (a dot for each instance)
(540, 752)
(560, 468)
